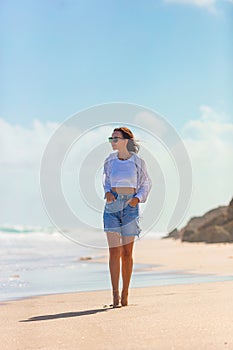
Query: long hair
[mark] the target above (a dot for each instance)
(132, 146)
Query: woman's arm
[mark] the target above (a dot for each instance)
(106, 177)
(144, 182)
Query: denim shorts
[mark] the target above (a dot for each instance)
(121, 217)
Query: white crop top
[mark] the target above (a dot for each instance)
(123, 173)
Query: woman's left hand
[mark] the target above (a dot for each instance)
(133, 201)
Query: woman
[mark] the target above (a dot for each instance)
(126, 183)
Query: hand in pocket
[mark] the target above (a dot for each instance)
(133, 201)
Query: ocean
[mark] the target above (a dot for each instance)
(40, 260)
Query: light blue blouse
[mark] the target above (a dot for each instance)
(144, 183)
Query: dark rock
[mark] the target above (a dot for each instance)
(197, 221)
(212, 234)
(229, 227)
(219, 220)
(173, 234)
(215, 226)
(187, 235)
(84, 258)
(230, 210)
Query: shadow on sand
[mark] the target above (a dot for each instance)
(66, 315)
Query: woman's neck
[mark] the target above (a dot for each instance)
(124, 155)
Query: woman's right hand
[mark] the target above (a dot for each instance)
(110, 197)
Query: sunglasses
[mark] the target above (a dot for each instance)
(115, 139)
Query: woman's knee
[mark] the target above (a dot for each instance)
(126, 253)
(115, 252)
(127, 247)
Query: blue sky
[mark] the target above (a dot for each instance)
(62, 56)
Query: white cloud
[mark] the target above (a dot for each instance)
(20, 154)
(209, 141)
(21, 146)
(21, 151)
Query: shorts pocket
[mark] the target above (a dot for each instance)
(111, 207)
(132, 206)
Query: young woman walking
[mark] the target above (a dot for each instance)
(126, 184)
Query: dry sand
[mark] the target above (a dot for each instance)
(192, 257)
(197, 316)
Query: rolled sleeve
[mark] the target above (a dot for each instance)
(144, 183)
(106, 178)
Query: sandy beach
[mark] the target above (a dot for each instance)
(194, 316)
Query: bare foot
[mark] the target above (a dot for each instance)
(124, 298)
(116, 298)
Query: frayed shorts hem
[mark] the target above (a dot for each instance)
(123, 234)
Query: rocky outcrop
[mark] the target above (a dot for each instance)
(216, 226)
(212, 234)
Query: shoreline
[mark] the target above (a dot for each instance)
(156, 263)
(214, 277)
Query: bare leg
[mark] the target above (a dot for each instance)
(127, 266)
(114, 264)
